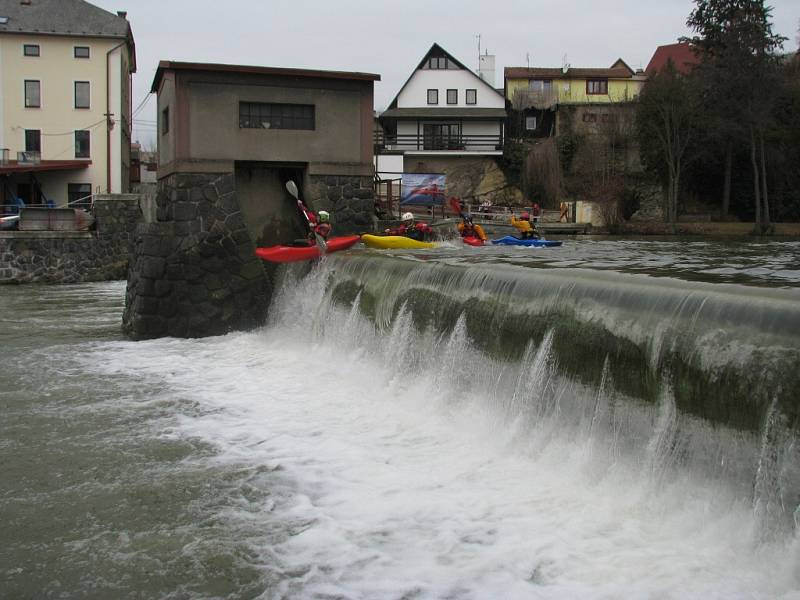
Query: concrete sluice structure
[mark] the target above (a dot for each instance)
(230, 137)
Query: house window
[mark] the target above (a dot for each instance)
(530, 122)
(472, 97)
(433, 96)
(437, 62)
(271, 115)
(165, 121)
(452, 96)
(596, 86)
(81, 52)
(442, 136)
(33, 94)
(33, 140)
(79, 195)
(542, 86)
(82, 93)
(30, 49)
(82, 144)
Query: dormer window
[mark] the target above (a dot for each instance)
(437, 62)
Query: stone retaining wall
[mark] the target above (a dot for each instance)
(193, 273)
(72, 257)
(349, 199)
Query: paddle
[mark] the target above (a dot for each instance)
(292, 189)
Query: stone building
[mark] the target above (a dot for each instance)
(229, 138)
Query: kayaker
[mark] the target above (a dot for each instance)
(408, 228)
(469, 229)
(322, 227)
(527, 230)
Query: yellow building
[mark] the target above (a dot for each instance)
(65, 101)
(536, 92)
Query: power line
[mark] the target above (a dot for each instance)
(92, 126)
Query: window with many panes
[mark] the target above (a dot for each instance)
(82, 148)
(79, 195)
(542, 86)
(452, 96)
(30, 49)
(33, 140)
(82, 93)
(433, 96)
(33, 93)
(596, 86)
(273, 115)
(472, 97)
(81, 52)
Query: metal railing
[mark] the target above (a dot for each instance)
(434, 142)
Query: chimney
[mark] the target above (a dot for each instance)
(122, 13)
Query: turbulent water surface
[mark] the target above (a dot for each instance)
(610, 419)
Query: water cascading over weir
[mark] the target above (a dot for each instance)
(693, 376)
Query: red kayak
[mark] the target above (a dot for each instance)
(284, 254)
(472, 241)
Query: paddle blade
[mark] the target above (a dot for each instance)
(292, 189)
(455, 204)
(321, 243)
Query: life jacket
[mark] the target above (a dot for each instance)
(323, 229)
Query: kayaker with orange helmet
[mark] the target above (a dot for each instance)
(523, 224)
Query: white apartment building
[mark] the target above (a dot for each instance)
(65, 101)
(443, 115)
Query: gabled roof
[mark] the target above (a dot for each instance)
(619, 70)
(681, 55)
(438, 50)
(171, 65)
(61, 17)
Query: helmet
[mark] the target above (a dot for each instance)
(324, 216)
(468, 217)
(525, 216)
(407, 217)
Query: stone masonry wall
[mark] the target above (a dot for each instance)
(349, 199)
(72, 257)
(193, 272)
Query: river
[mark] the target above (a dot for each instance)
(609, 419)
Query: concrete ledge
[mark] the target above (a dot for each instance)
(45, 235)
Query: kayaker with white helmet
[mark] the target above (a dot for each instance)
(409, 228)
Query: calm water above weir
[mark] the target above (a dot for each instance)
(609, 419)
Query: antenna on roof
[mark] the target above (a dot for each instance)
(528, 59)
(564, 64)
(479, 50)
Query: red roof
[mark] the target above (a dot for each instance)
(680, 54)
(46, 165)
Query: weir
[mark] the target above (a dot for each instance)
(683, 373)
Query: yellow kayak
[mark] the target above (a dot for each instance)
(394, 241)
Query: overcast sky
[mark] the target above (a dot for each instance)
(390, 38)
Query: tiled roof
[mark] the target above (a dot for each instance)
(61, 17)
(680, 54)
(556, 73)
(441, 112)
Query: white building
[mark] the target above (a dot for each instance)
(65, 101)
(443, 114)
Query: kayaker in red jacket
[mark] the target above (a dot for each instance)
(322, 226)
(408, 228)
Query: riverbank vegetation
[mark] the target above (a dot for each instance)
(726, 130)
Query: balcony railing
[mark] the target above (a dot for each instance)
(439, 142)
(29, 158)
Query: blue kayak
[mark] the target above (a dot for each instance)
(510, 240)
